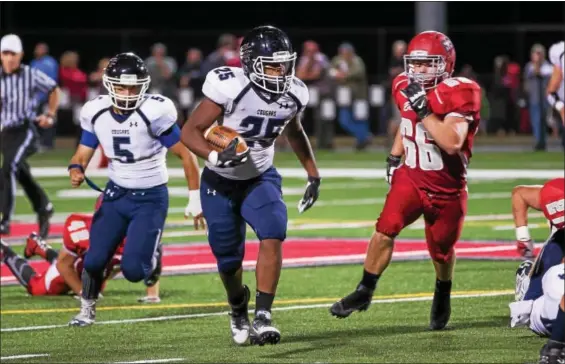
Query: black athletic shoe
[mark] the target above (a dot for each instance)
(359, 300)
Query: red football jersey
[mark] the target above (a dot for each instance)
(76, 235)
(430, 167)
(552, 196)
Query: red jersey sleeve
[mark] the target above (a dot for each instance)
(76, 234)
(399, 83)
(457, 96)
(552, 199)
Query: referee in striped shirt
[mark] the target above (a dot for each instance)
(19, 89)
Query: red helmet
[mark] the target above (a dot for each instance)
(436, 51)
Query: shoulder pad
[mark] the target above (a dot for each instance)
(76, 236)
(300, 91)
(223, 84)
(160, 111)
(456, 95)
(91, 108)
(556, 54)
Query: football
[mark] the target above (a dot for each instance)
(219, 137)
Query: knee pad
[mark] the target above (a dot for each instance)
(132, 270)
(273, 225)
(94, 264)
(229, 268)
(440, 255)
(390, 225)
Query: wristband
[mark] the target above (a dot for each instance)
(75, 166)
(213, 158)
(522, 233)
(194, 195)
(315, 180)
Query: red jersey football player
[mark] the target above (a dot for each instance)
(440, 116)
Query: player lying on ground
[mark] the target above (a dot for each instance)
(540, 285)
(63, 275)
(440, 116)
(135, 131)
(258, 102)
(556, 85)
(547, 198)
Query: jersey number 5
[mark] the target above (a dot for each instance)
(125, 155)
(429, 155)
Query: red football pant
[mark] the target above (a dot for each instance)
(443, 214)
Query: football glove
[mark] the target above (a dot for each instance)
(392, 163)
(194, 209)
(525, 248)
(418, 100)
(310, 195)
(229, 156)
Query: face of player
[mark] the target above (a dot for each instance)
(424, 71)
(125, 95)
(10, 61)
(275, 70)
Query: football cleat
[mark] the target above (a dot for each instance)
(35, 246)
(262, 330)
(552, 353)
(359, 300)
(87, 314)
(441, 310)
(523, 279)
(239, 321)
(43, 220)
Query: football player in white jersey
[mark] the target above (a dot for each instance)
(258, 100)
(556, 86)
(135, 130)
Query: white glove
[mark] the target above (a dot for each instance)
(149, 299)
(194, 206)
(520, 313)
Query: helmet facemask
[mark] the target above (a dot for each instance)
(273, 74)
(126, 102)
(435, 69)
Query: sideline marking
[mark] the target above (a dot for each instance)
(407, 298)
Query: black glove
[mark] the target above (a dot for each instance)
(392, 163)
(310, 195)
(418, 100)
(230, 158)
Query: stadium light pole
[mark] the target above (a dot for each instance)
(431, 15)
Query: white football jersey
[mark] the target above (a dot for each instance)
(258, 121)
(137, 159)
(544, 309)
(557, 58)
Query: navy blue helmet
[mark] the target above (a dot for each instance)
(268, 59)
(126, 70)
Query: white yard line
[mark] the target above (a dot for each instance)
(225, 313)
(494, 174)
(150, 361)
(24, 356)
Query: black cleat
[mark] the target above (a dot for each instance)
(43, 219)
(552, 353)
(239, 321)
(359, 300)
(441, 310)
(262, 330)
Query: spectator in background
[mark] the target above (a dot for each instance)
(348, 69)
(48, 65)
(233, 59)
(313, 67)
(395, 67)
(74, 81)
(95, 78)
(162, 70)
(189, 74)
(536, 77)
(227, 44)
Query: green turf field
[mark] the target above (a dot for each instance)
(191, 323)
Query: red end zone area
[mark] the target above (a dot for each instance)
(197, 258)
